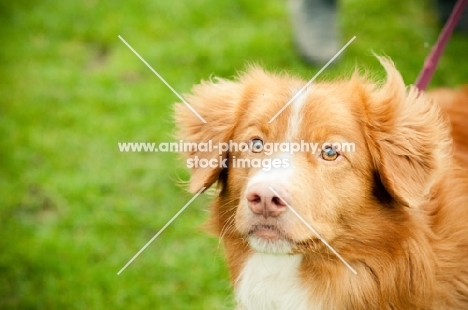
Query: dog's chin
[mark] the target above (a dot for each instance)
(267, 246)
(269, 240)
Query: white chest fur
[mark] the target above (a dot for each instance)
(271, 282)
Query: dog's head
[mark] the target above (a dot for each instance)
(374, 152)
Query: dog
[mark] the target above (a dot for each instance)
(384, 226)
(454, 104)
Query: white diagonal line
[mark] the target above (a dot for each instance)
(163, 80)
(315, 232)
(161, 230)
(311, 80)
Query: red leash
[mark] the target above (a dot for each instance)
(431, 61)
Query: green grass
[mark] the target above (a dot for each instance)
(74, 209)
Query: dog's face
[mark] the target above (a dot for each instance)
(373, 154)
(314, 182)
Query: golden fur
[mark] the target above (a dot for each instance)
(454, 103)
(396, 209)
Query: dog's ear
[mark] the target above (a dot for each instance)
(409, 139)
(215, 101)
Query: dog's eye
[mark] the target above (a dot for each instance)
(256, 145)
(329, 153)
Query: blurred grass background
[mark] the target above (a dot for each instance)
(73, 209)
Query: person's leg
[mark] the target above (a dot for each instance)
(315, 29)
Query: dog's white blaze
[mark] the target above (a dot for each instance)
(296, 117)
(284, 174)
(275, 175)
(271, 282)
